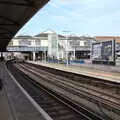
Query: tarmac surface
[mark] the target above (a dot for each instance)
(14, 105)
(106, 72)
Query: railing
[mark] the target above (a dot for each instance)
(82, 48)
(25, 49)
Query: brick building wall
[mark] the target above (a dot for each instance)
(105, 38)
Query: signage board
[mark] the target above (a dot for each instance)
(103, 52)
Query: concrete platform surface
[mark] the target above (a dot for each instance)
(14, 105)
(4, 111)
(110, 73)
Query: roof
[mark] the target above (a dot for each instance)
(61, 36)
(45, 34)
(23, 36)
(80, 38)
(104, 38)
(49, 31)
(13, 15)
(42, 35)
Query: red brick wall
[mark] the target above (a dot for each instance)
(105, 38)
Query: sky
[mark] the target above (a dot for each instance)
(77, 17)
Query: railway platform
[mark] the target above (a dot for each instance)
(14, 104)
(106, 72)
(4, 113)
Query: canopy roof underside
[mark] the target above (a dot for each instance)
(13, 15)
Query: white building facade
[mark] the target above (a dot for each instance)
(52, 45)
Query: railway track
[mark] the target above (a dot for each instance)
(73, 82)
(99, 96)
(55, 105)
(111, 103)
(86, 80)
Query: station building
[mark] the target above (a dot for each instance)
(82, 46)
(49, 44)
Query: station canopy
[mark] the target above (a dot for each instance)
(13, 15)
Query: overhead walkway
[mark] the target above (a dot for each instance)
(26, 49)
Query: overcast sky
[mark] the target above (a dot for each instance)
(83, 17)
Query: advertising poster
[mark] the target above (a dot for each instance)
(103, 51)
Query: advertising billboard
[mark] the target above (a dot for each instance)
(103, 52)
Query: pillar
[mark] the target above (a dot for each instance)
(1, 54)
(34, 56)
(74, 55)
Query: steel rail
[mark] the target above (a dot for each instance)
(33, 83)
(96, 98)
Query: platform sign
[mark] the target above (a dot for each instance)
(103, 52)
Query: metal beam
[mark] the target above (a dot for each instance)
(5, 29)
(4, 33)
(8, 25)
(10, 20)
(5, 38)
(32, 3)
(15, 3)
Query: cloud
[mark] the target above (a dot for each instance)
(85, 16)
